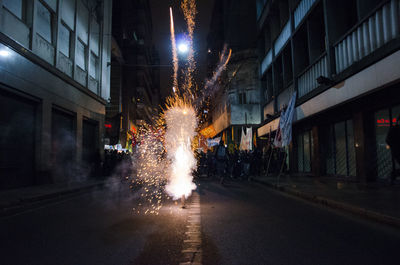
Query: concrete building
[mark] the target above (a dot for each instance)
(54, 86)
(236, 103)
(135, 81)
(342, 58)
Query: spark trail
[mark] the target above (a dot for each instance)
(174, 53)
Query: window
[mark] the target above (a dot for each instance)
(15, 6)
(384, 162)
(68, 13)
(94, 37)
(82, 23)
(44, 22)
(94, 66)
(304, 149)
(316, 31)
(65, 40)
(80, 56)
(340, 153)
(242, 98)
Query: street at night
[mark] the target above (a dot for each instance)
(199, 132)
(241, 223)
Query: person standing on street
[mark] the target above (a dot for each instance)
(221, 157)
(393, 140)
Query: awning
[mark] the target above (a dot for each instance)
(271, 126)
(208, 132)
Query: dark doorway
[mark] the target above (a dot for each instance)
(17, 141)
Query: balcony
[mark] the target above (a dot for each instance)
(302, 10)
(368, 35)
(307, 80)
(282, 38)
(266, 62)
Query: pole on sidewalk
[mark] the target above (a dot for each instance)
(269, 161)
(280, 172)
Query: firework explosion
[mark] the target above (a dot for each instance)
(181, 128)
(174, 53)
(164, 157)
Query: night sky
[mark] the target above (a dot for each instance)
(161, 36)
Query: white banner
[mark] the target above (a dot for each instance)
(213, 142)
(246, 140)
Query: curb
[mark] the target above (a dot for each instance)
(31, 202)
(362, 212)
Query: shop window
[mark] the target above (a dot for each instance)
(304, 147)
(44, 22)
(396, 116)
(384, 162)
(340, 155)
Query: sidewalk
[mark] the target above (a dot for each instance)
(374, 201)
(16, 200)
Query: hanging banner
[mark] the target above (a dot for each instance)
(246, 141)
(213, 142)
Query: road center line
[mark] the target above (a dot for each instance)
(192, 252)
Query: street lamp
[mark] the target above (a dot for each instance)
(183, 47)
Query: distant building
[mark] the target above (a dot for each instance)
(54, 86)
(236, 102)
(135, 81)
(343, 59)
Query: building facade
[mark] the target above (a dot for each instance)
(135, 81)
(235, 103)
(54, 86)
(342, 58)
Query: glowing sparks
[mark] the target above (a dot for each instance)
(181, 128)
(164, 157)
(174, 52)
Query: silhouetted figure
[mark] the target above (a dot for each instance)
(393, 140)
(221, 157)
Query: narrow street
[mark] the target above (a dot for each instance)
(241, 223)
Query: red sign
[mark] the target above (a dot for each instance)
(385, 122)
(108, 126)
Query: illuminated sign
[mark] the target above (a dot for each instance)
(385, 122)
(108, 126)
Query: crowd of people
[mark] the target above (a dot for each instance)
(223, 163)
(117, 163)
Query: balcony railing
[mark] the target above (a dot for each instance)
(301, 11)
(266, 62)
(283, 38)
(308, 80)
(371, 34)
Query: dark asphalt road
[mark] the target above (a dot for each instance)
(95, 228)
(242, 223)
(246, 223)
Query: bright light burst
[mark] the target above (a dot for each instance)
(164, 157)
(181, 125)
